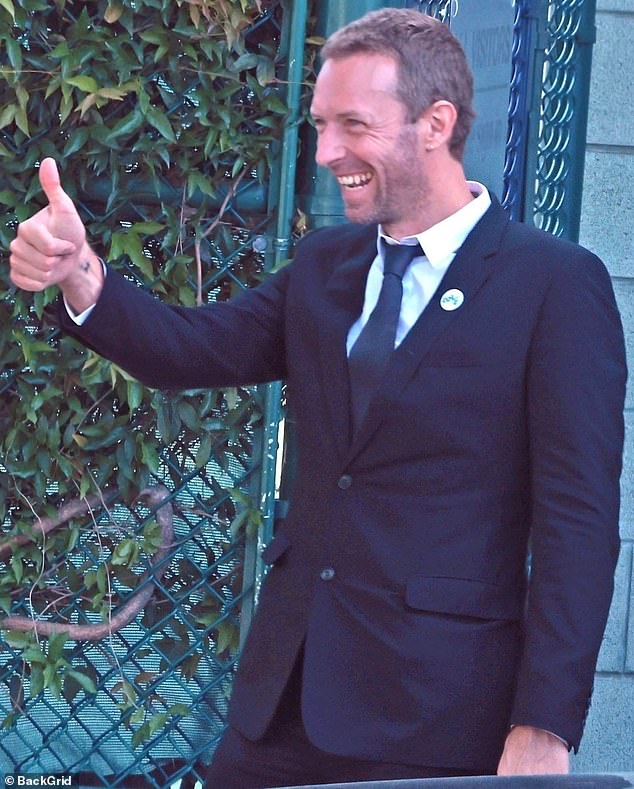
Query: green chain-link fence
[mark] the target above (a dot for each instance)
(147, 699)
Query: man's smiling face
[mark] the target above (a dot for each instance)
(366, 141)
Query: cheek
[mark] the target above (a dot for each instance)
(376, 149)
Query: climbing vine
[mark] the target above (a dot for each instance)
(164, 118)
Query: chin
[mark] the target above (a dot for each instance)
(361, 217)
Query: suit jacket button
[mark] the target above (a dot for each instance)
(327, 574)
(344, 482)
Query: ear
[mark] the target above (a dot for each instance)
(437, 124)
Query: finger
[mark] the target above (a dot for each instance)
(35, 239)
(50, 183)
(26, 277)
(39, 275)
(49, 179)
(30, 263)
(26, 283)
(34, 266)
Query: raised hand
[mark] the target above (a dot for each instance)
(51, 248)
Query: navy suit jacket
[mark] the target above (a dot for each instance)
(401, 566)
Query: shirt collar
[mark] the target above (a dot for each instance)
(445, 238)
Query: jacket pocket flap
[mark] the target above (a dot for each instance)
(463, 597)
(276, 548)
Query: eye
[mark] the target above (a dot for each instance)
(354, 124)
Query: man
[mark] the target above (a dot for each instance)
(396, 634)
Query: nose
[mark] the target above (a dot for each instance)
(330, 147)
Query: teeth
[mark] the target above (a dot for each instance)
(360, 179)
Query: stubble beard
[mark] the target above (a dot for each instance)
(403, 190)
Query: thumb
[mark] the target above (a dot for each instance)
(50, 183)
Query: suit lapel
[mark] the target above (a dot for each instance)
(467, 273)
(343, 302)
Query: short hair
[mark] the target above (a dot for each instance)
(431, 62)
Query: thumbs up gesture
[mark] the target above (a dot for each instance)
(51, 248)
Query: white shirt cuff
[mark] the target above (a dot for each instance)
(81, 317)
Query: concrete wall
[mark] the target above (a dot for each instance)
(607, 227)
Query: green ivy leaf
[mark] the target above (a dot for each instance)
(56, 643)
(141, 735)
(8, 6)
(126, 553)
(77, 141)
(161, 123)
(134, 394)
(113, 12)
(37, 680)
(14, 51)
(17, 639)
(18, 568)
(7, 115)
(84, 83)
(86, 682)
(265, 71)
(204, 451)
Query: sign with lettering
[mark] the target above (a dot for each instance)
(485, 30)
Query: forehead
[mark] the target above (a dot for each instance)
(353, 82)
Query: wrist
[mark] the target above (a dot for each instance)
(83, 285)
(529, 750)
(537, 731)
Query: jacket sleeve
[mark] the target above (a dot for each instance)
(222, 344)
(575, 397)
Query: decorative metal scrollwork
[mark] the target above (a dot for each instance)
(556, 113)
(515, 160)
(441, 9)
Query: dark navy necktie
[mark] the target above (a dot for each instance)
(370, 354)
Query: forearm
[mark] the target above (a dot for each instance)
(169, 347)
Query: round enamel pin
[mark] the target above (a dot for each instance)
(451, 299)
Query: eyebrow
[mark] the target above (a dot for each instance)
(341, 115)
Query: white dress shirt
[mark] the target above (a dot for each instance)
(422, 277)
